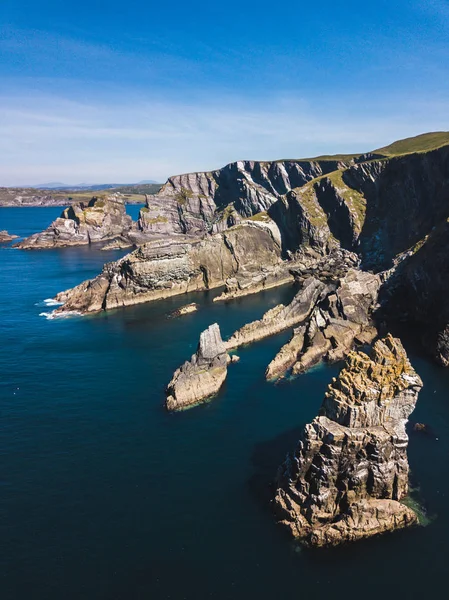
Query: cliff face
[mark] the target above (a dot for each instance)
(418, 290)
(350, 471)
(176, 265)
(378, 208)
(197, 203)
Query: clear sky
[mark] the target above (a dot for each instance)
(121, 91)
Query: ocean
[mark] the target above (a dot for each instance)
(105, 495)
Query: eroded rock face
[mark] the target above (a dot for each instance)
(280, 317)
(330, 318)
(198, 203)
(101, 220)
(349, 472)
(176, 265)
(6, 237)
(201, 377)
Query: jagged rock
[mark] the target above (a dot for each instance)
(340, 319)
(101, 220)
(280, 317)
(350, 471)
(201, 377)
(175, 265)
(185, 310)
(6, 237)
(288, 354)
(197, 203)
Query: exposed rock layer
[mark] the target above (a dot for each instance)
(175, 265)
(101, 220)
(201, 377)
(349, 472)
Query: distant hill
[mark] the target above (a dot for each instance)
(61, 187)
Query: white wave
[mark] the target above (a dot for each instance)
(49, 302)
(55, 315)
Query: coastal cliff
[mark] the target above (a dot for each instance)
(176, 265)
(305, 213)
(349, 472)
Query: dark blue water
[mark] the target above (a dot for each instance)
(106, 496)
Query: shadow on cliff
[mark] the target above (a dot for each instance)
(266, 459)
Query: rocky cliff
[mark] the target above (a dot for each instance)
(196, 203)
(314, 210)
(349, 472)
(201, 377)
(176, 265)
(100, 220)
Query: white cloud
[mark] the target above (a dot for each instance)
(122, 138)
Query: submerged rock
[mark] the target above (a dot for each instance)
(201, 377)
(349, 472)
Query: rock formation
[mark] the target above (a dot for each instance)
(339, 321)
(201, 377)
(332, 317)
(197, 203)
(349, 472)
(174, 265)
(102, 219)
(185, 310)
(6, 237)
(280, 317)
(315, 210)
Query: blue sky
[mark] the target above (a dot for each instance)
(124, 91)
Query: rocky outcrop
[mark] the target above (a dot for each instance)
(102, 219)
(201, 377)
(349, 472)
(196, 203)
(185, 310)
(175, 265)
(280, 317)
(332, 316)
(6, 237)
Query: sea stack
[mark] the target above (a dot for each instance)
(349, 472)
(201, 377)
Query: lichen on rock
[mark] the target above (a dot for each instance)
(349, 472)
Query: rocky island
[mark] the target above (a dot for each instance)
(349, 472)
(102, 219)
(201, 377)
(6, 237)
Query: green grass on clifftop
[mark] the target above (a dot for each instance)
(420, 143)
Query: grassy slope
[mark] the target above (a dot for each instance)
(420, 143)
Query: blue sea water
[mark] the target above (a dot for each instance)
(104, 495)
